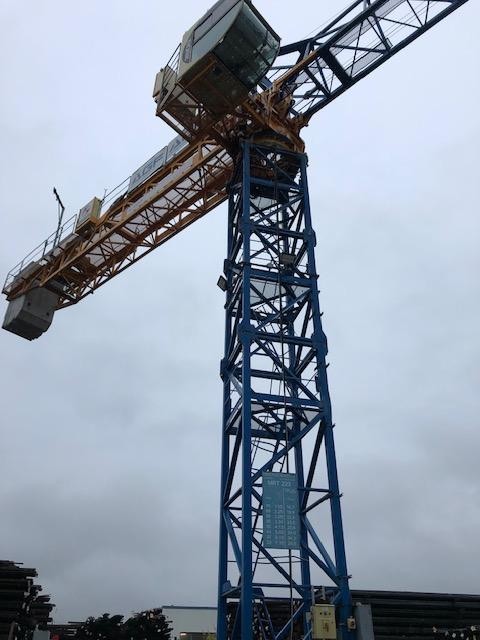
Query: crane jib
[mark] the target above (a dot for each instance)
(162, 197)
(363, 37)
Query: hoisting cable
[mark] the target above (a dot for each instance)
(283, 382)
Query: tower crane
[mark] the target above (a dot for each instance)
(238, 100)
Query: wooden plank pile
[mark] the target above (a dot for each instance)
(22, 607)
(414, 616)
(397, 615)
(472, 633)
(65, 631)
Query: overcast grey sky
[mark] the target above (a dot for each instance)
(110, 426)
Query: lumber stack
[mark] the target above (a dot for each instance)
(22, 607)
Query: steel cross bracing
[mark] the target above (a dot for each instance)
(134, 225)
(276, 412)
(312, 73)
(315, 71)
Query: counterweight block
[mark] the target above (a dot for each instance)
(31, 314)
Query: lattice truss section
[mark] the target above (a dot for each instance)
(136, 223)
(308, 75)
(276, 395)
(315, 71)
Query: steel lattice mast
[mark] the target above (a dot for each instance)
(277, 413)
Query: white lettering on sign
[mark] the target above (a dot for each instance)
(159, 160)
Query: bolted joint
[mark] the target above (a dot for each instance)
(320, 344)
(310, 236)
(246, 330)
(224, 369)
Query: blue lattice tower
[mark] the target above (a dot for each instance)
(277, 412)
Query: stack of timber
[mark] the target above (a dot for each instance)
(395, 614)
(63, 631)
(22, 608)
(414, 616)
(470, 633)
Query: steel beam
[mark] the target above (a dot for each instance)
(276, 405)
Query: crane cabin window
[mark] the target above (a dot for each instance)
(203, 28)
(210, 31)
(217, 12)
(225, 54)
(249, 48)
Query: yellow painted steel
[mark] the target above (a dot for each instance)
(323, 622)
(182, 191)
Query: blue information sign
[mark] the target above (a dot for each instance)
(281, 522)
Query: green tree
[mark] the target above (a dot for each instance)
(105, 627)
(145, 625)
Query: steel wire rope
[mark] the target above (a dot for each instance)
(323, 24)
(421, 11)
(256, 447)
(391, 30)
(284, 382)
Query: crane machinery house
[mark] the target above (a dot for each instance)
(220, 60)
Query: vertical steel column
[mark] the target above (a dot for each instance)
(276, 409)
